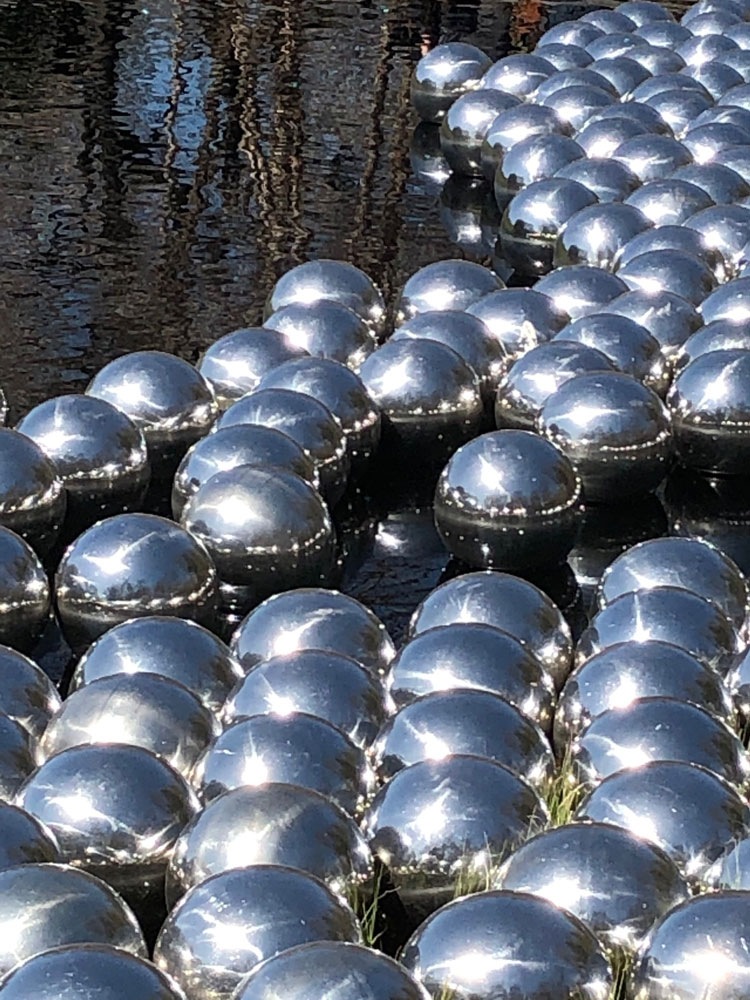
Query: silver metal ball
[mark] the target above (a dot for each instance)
(141, 709)
(613, 45)
(439, 823)
(608, 20)
(564, 55)
(569, 33)
(227, 925)
(637, 112)
(23, 839)
(339, 971)
(715, 23)
(19, 756)
(508, 603)
(664, 34)
(716, 77)
(24, 593)
(443, 75)
(669, 202)
(580, 289)
(235, 363)
(710, 6)
(325, 330)
(524, 121)
(683, 238)
(617, 676)
(725, 228)
(599, 138)
(446, 284)
(629, 346)
(328, 685)
(32, 497)
(271, 824)
(616, 883)
(464, 721)
(465, 126)
(130, 566)
(737, 158)
(169, 400)
(667, 317)
(587, 77)
(520, 318)
(738, 96)
(608, 179)
(731, 870)
(45, 906)
(722, 184)
(535, 376)
(724, 115)
(429, 396)
(670, 271)
(296, 748)
(576, 104)
(700, 49)
(679, 108)
(643, 12)
(507, 944)
(653, 157)
(597, 235)
(479, 656)
(536, 158)
(730, 301)
(657, 60)
(720, 335)
(739, 61)
(623, 74)
(27, 695)
(669, 614)
(331, 280)
(509, 500)
(519, 74)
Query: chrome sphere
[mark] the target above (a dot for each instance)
(580, 289)
(710, 415)
(643, 12)
(715, 23)
(115, 811)
(587, 77)
(440, 823)
(716, 77)
(224, 927)
(737, 158)
(297, 748)
(669, 614)
(698, 949)
(46, 906)
(313, 618)
(465, 125)
(578, 103)
(616, 883)
(600, 137)
(721, 335)
(739, 61)
(681, 238)
(235, 363)
(143, 710)
(324, 330)
(564, 55)
(614, 430)
(569, 33)
(19, 756)
(738, 97)
(521, 122)
(613, 45)
(271, 824)
(726, 228)
(669, 270)
(429, 396)
(667, 317)
(229, 447)
(446, 284)
(629, 346)
(443, 75)
(332, 280)
(23, 839)
(98, 452)
(24, 592)
(339, 971)
(705, 141)
(620, 674)
(636, 112)
(32, 497)
(535, 158)
(657, 60)
(168, 399)
(730, 301)
(723, 113)
(308, 422)
(732, 869)
(535, 376)
(130, 566)
(664, 34)
(608, 179)
(688, 563)
(26, 692)
(686, 810)
(669, 202)
(597, 235)
(653, 157)
(170, 647)
(622, 73)
(508, 499)
(463, 721)
(608, 20)
(679, 108)
(520, 318)
(88, 972)
(508, 603)
(519, 74)
(328, 685)
(658, 729)
(477, 656)
(722, 184)
(467, 336)
(497, 944)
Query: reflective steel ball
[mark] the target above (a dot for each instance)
(520, 318)
(636, 112)
(730, 301)
(721, 335)
(578, 103)
(23, 839)
(705, 141)
(738, 682)
(667, 317)
(587, 77)
(732, 870)
(519, 74)
(325, 330)
(564, 55)
(600, 137)
(609, 180)
(629, 346)
(32, 497)
(669, 270)
(681, 238)
(19, 756)
(643, 12)
(24, 593)
(443, 74)
(657, 59)
(597, 235)
(622, 73)
(536, 158)
(726, 228)
(230, 923)
(27, 695)
(612, 45)
(608, 20)
(737, 158)
(669, 202)
(569, 33)
(653, 157)
(129, 566)
(446, 284)
(679, 108)
(465, 126)
(667, 34)
(523, 121)
(580, 289)
(716, 77)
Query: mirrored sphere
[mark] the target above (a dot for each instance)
(271, 824)
(564, 55)
(170, 647)
(313, 618)
(325, 684)
(666, 316)
(438, 824)
(730, 301)
(608, 179)
(24, 592)
(616, 883)
(508, 499)
(737, 158)
(339, 971)
(617, 676)
(236, 362)
(226, 925)
(32, 497)
(463, 721)
(732, 870)
(26, 692)
(515, 125)
(580, 289)
(19, 756)
(129, 566)
(536, 158)
(519, 74)
(168, 399)
(721, 335)
(477, 656)
(576, 104)
(519, 318)
(629, 346)
(508, 603)
(622, 73)
(645, 11)
(657, 59)
(23, 839)
(653, 157)
(705, 141)
(446, 284)
(88, 972)
(295, 748)
(44, 906)
(443, 74)
(325, 330)
(507, 944)
(139, 709)
(716, 77)
(597, 235)
(465, 126)
(635, 111)
(727, 229)
(669, 270)
(679, 108)
(608, 20)
(614, 44)
(569, 33)
(669, 614)
(722, 184)
(682, 238)
(600, 137)
(573, 78)
(667, 34)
